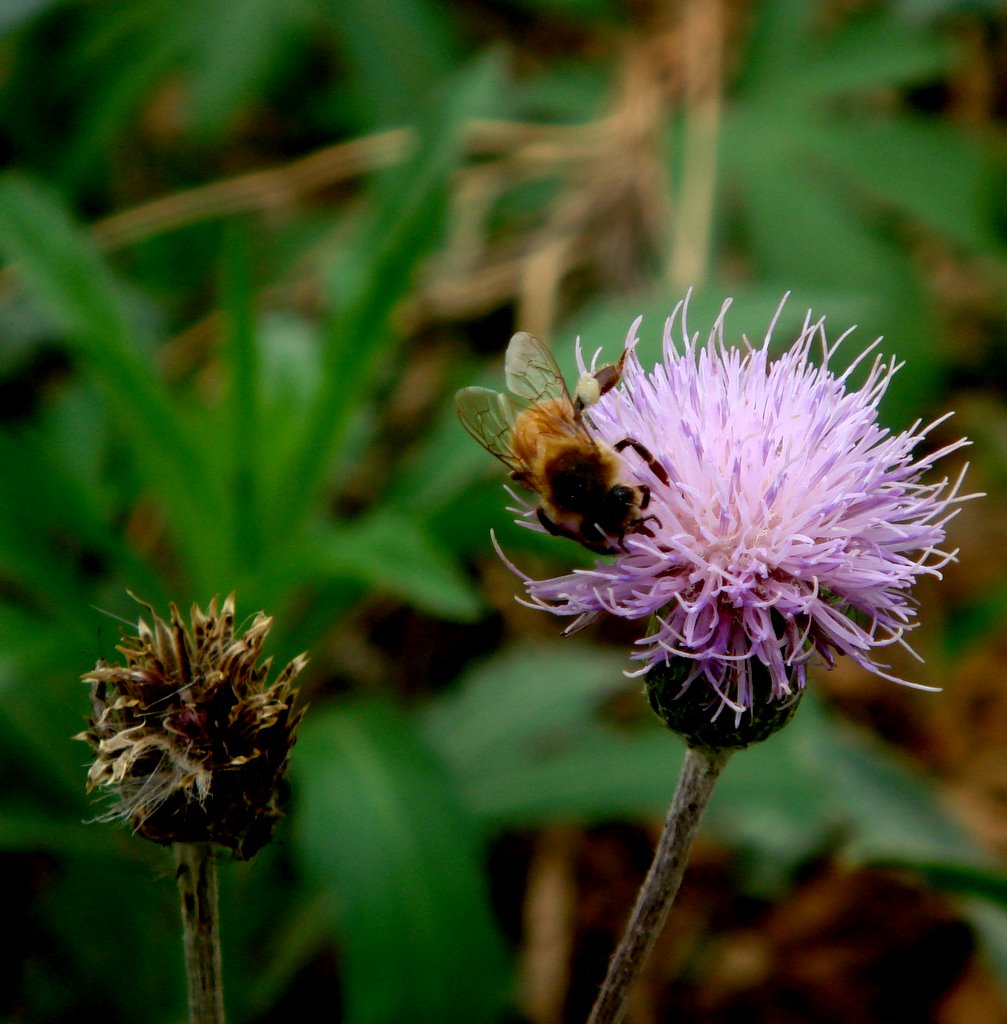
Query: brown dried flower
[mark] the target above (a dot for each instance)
(188, 735)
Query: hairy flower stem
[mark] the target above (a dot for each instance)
(700, 771)
(196, 870)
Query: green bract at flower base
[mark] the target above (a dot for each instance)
(695, 718)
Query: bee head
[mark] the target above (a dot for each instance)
(619, 502)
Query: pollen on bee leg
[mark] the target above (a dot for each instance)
(588, 390)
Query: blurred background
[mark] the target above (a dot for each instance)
(250, 250)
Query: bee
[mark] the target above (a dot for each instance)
(541, 436)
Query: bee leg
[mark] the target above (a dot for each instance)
(561, 531)
(655, 467)
(639, 525)
(554, 528)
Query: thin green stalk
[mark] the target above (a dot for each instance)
(196, 871)
(700, 771)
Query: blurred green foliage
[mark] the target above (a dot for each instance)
(275, 458)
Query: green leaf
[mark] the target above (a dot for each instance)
(925, 169)
(805, 226)
(30, 551)
(932, 10)
(776, 799)
(235, 48)
(130, 49)
(73, 980)
(299, 932)
(579, 10)
(519, 702)
(66, 275)
(564, 91)
(802, 228)
(976, 620)
(61, 268)
(50, 519)
(528, 740)
(242, 411)
(392, 553)
(392, 59)
(42, 702)
(288, 366)
(32, 831)
(893, 808)
(791, 62)
(872, 51)
(802, 180)
(964, 879)
(374, 274)
(15, 13)
(597, 775)
(990, 923)
(442, 465)
(377, 820)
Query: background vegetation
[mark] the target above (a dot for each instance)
(252, 248)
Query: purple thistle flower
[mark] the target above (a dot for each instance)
(792, 525)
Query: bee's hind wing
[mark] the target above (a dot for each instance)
(489, 417)
(531, 370)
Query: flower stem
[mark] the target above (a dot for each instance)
(196, 871)
(700, 771)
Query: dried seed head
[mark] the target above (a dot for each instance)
(189, 736)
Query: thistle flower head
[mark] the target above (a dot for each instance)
(792, 525)
(189, 736)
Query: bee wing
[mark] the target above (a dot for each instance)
(489, 417)
(531, 371)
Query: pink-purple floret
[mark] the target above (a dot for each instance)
(793, 524)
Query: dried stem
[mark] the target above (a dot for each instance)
(700, 772)
(196, 870)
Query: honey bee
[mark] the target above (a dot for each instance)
(540, 435)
